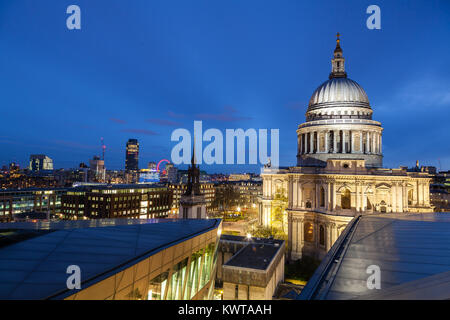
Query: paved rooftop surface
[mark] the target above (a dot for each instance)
(412, 251)
(255, 255)
(36, 268)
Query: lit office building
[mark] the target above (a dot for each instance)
(120, 259)
(117, 201)
(40, 162)
(132, 155)
(14, 202)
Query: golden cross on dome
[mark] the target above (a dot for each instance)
(338, 35)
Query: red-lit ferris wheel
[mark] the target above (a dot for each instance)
(159, 163)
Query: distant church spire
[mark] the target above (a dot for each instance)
(193, 184)
(338, 62)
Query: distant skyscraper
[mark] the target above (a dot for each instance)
(97, 169)
(172, 173)
(132, 155)
(40, 162)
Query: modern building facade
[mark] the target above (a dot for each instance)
(40, 162)
(132, 155)
(339, 170)
(18, 201)
(119, 259)
(117, 201)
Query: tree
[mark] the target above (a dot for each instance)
(279, 206)
(226, 197)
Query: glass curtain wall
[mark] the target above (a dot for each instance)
(187, 277)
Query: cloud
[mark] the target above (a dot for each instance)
(163, 122)
(297, 106)
(141, 131)
(75, 145)
(116, 120)
(428, 91)
(175, 115)
(229, 115)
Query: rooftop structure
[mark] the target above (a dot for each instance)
(254, 271)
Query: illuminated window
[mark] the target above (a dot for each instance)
(308, 232)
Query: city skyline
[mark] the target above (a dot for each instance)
(162, 68)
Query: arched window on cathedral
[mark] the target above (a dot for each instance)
(322, 235)
(322, 197)
(308, 232)
(346, 199)
(383, 206)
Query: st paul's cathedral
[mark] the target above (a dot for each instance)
(339, 172)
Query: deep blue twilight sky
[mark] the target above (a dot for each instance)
(142, 68)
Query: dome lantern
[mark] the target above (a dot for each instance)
(338, 62)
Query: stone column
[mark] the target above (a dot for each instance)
(400, 198)
(333, 233)
(316, 202)
(334, 197)
(291, 192)
(335, 141)
(367, 142)
(352, 148)
(299, 144)
(295, 200)
(360, 142)
(311, 142)
(381, 143)
(364, 198)
(326, 140)
(394, 197)
(328, 196)
(358, 198)
(318, 141)
(374, 150)
(299, 195)
(343, 142)
(294, 235)
(405, 198)
(378, 143)
(374, 142)
(421, 197)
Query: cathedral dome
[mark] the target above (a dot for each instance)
(338, 91)
(339, 122)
